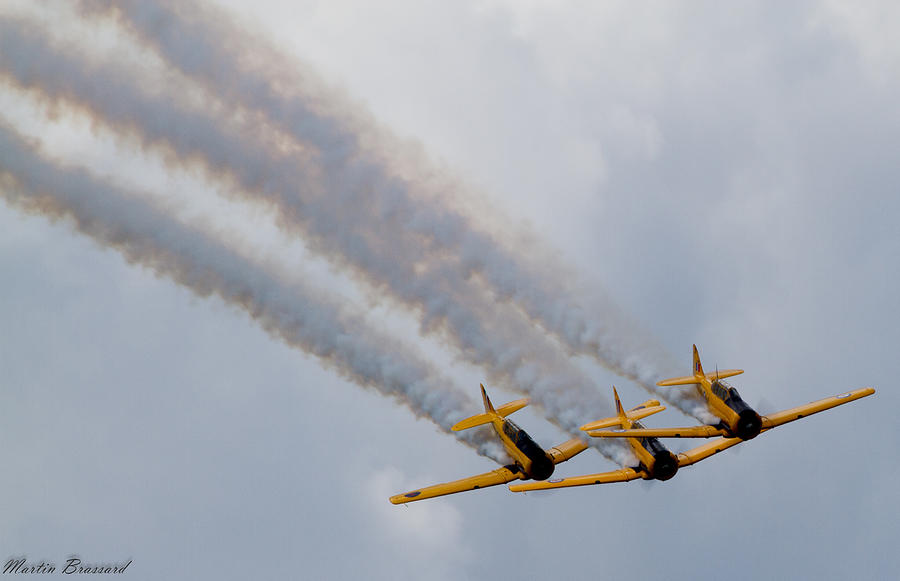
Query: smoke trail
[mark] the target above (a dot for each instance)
(206, 45)
(510, 349)
(292, 313)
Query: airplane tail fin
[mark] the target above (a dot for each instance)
(624, 419)
(488, 406)
(698, 372)
(689, 379)
(619, 411)
(490, 413)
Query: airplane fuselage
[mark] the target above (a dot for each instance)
(656, 461)
(527, 455)
(738, 418)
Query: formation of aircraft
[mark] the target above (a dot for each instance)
(655, 461)
(738, 422)
(530, 461)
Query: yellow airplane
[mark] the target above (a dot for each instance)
(655, 461)
(529, 459)
(738, 420)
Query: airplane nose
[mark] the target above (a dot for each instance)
(665, 466)
(749, 425)
(541, 468)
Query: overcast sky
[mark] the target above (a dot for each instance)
(725, 172)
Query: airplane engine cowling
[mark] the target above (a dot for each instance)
(541, 467)
(749, 425)
(665, 465)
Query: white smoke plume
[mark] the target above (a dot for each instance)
(301, 317)
(510, 349)
(409, 210)
(348, 206)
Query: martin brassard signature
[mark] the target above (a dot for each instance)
(73, 565)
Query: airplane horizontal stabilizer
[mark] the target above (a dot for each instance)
(789, 415)
(693, 379)
(637, 414)
(623, 475)
(691, 432)
(646, 404)
(605, 423)
(723, 373)
(633, 415)
(506, 408)
(490, 414)
(687, 380)
(476, 420)
(512, 406)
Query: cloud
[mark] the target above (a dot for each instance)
(424, 540)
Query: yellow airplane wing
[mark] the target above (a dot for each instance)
(692, 432)
(783, 417)
(492, 478)
(503, 475)
(694, 455)
(623, 475)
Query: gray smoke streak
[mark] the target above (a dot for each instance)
(513, 352)
(206, 45)
(299, 316)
